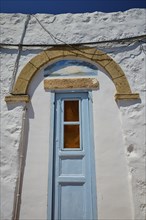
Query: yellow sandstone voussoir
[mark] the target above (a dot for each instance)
(122, 85)
(40, 60)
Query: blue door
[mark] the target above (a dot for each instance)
(73, 174)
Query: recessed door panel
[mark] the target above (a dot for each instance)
(68, 166)
(72, 200)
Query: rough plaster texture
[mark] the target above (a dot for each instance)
(76, 28)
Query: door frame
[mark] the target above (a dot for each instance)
(51, 152)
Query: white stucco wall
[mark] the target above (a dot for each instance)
(35, 184)
(119, 128)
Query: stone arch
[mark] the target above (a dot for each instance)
(91, 54)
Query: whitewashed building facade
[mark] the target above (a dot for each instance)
(73, 116)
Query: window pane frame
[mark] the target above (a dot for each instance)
(71, 136)
(71, 123)
(67, 115)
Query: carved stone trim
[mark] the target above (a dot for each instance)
(71, 83)
(127, 96)
(17, 98)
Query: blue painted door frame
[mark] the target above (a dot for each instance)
(72, 178)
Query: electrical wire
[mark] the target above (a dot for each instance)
(130, 40)
(50, 34)
(120, 40)
(55, 39)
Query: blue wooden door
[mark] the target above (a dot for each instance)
(72, 170)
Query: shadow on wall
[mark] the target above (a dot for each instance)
(126, 103)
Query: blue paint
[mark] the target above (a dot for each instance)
(73, 174)
(50, 163)
(92, 152)
(70, 68)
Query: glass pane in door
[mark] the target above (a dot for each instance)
(71, 136)
(71, 110)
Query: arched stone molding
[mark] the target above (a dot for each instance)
(61, 52)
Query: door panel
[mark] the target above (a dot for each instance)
(72, 188)
(72, 201)
(68, 166)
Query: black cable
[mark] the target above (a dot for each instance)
(72, 45)
(139, 38)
